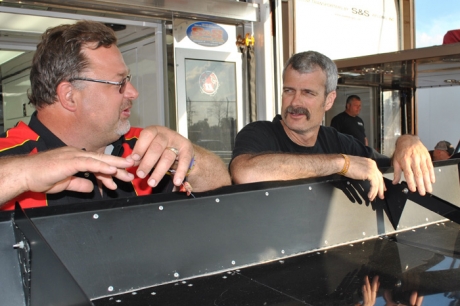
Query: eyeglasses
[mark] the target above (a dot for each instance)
(122, 84)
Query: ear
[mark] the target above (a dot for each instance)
(66, 95)
(330, 100)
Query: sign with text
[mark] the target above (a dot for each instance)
(343, 29)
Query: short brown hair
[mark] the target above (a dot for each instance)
(59, 58)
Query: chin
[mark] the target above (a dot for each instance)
(123, 127)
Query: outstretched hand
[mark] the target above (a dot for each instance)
(52, 171)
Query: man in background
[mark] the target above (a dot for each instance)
(348, 122)
(443, 150)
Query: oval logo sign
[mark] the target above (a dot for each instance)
(208, 34)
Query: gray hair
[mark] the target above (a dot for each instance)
(308, 61)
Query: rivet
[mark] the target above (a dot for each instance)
(86, 174)
(176, 274)
(19, 245)
(405, 190)
(233, 262)
(267, 194)
(309, 188)
(95, 216)
(160, 207)
(282, 251)
(217, 200)
(348, 182)
(153, 293)
(364, 233)
(110, 288)
(439, 170)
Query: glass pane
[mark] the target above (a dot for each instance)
(211, 105)
(391, 120)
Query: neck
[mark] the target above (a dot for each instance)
(65, 126)
(305, 138)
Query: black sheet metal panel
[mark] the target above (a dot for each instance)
(406, 212)
(328, 277)
(128, 246)
(124, 245)
(46, 280)
(11, 292)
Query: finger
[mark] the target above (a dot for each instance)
(382, 187)
(186, 153)
(375, 283)
(115, 161)
(152, 156)
(410, 178)
(107, 180)
(417, 178)
(373, 190)
(89, 164)
(397, 173)
(163, 165)
(77, 184)
(143, 143)
(366, 282)
(430, 167)
(124, 175)
(427, 178)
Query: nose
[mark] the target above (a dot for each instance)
(131, 91)
(296, 98)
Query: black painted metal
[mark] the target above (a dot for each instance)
(46, 280)
(100, 251)
(328, 277)
(11, 290)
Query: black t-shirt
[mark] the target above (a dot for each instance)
(350, 125)
(270, 137)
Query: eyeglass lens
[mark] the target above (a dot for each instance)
(123, 84)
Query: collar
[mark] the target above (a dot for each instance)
(51, 141)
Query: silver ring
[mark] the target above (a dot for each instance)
(174, 150)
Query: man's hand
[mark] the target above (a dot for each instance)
(155, 149)
(413, 158)
(362, 168)
(53, 171)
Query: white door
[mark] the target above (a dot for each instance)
(209, 98)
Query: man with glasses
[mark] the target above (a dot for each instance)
(80, 87)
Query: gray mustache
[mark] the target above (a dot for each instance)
(298, 111)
